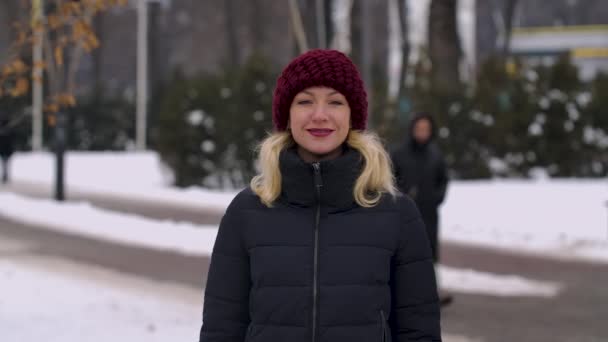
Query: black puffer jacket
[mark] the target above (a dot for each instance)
(421, 173)
(420, 169)
(317, 267)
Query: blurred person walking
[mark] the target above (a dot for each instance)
(421, 173)
(6, 147)
(321, 247)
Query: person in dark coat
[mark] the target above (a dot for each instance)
(6, 147)
(420, 172)
(321, 247)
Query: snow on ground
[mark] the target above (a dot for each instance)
(471, 281)
(138, 176)
(86, 220)
(56, 300)
(82, 219)
(559, 218)
(92, 169)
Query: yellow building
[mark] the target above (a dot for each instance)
(587, 45)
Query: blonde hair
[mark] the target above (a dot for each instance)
(375, 179)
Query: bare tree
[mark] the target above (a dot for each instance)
(508, 24)
(156, 53)
(66, 32)
(257, 17)
(405, 48)
(342, 29)
(366, 46)
(298, 26)
(355, 31)
(316, 18)
(329, 23)
(444, 46)
(231, 35)
(13, 14)
(97, 55)
(308, 8)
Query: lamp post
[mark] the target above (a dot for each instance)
(60, 143)
(37, 15)
(142, 74)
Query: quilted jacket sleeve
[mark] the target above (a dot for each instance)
(415, 306)
(226, 304)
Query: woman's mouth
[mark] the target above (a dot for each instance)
(320, 132)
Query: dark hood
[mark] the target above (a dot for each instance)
(417, 117)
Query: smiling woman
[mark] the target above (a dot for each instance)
(321, 247)
(319, 123)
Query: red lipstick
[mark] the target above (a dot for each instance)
(320, 132)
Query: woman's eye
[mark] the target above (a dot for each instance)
(336, 103)
(304, 102)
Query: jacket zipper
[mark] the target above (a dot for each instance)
(383, 322)
(249, 328)
(318, 185)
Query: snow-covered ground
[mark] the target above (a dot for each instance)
(471, 281)
(134, 175)
(55, 300)
(559, 218)
(87, 220)
(190, 239)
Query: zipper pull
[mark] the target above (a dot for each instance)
(317, 170)
(383, 322)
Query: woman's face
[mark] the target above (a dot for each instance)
(422, 131)
(319, 119)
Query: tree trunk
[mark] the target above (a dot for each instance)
(329, 23)
(355, 32)
(298, 27)
(231, 35)
(156, 54)
(366, 51)
(309, 19)
(508, 22)
(14, 12)
(257, 26)
(97, 54)
(444, 47)
(405, 51)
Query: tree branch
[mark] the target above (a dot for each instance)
(298, 26)
(77, 52)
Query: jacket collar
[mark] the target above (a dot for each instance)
(338, 177)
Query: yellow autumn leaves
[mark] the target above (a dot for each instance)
(14, 78)
(64, 29)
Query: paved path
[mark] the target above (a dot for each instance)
(149, 208)
(578, 314)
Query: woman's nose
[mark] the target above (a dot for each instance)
(319, 112)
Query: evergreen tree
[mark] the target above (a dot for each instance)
(208, 127)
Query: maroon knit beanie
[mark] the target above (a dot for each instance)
(329, 68)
